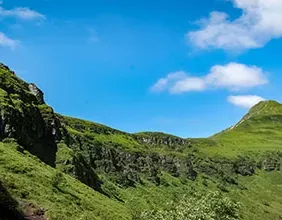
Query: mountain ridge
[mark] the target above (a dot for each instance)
(133, 172)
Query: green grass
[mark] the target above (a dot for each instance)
(262, 199)
(30, 180)
(259, 131)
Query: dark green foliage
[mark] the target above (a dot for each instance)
(8, 206)
(57, 179)
(244, 166)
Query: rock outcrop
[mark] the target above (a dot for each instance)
(24, 117)
(37, 93)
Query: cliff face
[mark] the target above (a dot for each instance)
(25, 117)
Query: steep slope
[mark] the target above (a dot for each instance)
(68, 168)
(48, 192)
(25, 117)
(258, 131)
(267, 114)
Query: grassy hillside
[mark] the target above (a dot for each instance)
(258, 131)
(31, 181)
(58, 167)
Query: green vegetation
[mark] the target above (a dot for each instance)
(259, 131)
(211, 206)
(67, 168)
(32, 181)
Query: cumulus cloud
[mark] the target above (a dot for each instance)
(245, 101)
(236, 76)
(233, 76)
(7, 42)
(23, 13)
(258, 24)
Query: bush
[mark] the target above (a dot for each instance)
(212, 206)
(57, 179)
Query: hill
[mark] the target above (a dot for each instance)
(58, 167)
(258, 131)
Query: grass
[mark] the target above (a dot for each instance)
(259, 131)
(30, 180)
(262, 199)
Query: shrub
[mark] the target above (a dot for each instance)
(212, 206)
(57, 179)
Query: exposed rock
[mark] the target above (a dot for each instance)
(37, 93)
(33, 212)
(33, 128)
(24, 118)
(271, 162)
(85, 173)
(271, 165)
(244, 166)
(155, 138)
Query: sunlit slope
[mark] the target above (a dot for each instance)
(70, 168)
(258, 131)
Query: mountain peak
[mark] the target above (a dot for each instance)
(263, 108)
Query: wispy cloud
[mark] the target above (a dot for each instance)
(233, 76)
(245, 101)
(7, 42)
(258, 24)
(23, 13)
(178, 82)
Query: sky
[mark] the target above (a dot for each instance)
(188, 68)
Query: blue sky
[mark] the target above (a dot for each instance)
(186, 68)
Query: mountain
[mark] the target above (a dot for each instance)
(58, 167)
(259, 130)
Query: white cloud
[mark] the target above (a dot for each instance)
(245, 101)
(167, 82)
(236, 76)
(21, 13)
(7, 42)
(233, 76)
(188, 84)
(259, 23)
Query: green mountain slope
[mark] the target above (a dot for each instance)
(258, 131)
(58, 167)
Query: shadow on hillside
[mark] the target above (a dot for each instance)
(8, 206)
